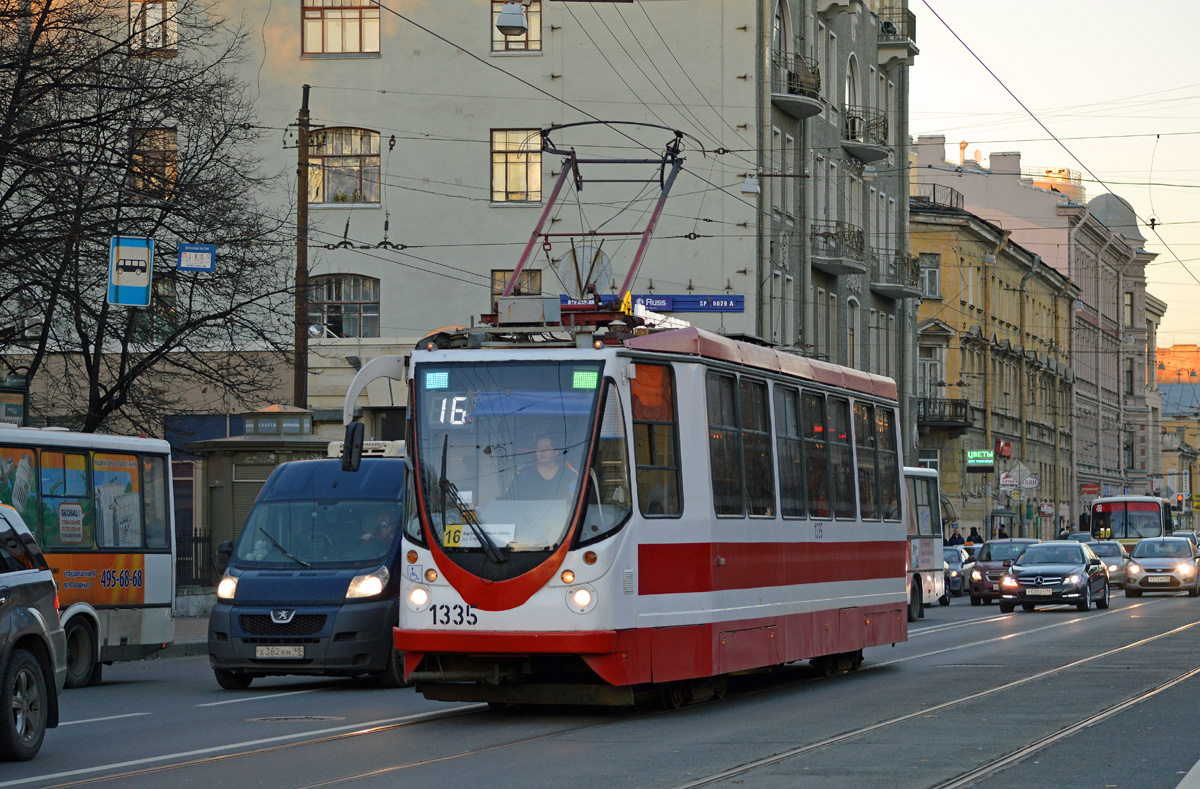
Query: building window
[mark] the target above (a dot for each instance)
(343, 166)
(153, 29)
(345, 304)
(516, 166)
(1128, 309)
(340, 27)
(155, 323)
(1129, 377)
(931, 275)
(530, 40)
(530, 283)
(155, 170)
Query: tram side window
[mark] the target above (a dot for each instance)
(791, 452)
(864, 446)
(608, 499)
(889, 464)
(841, 459)
(68, 518)
(755, 424)
(656, 455)
(724, 444)
(816, 454)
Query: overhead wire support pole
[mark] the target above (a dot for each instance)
(676, 164)
(300, 359)
(568, 167)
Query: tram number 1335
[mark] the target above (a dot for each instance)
(454, 615)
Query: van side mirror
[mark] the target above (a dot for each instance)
(224, 551)
(353, 447)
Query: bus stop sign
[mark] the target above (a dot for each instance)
(130, 264)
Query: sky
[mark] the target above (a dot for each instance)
(1117, 72)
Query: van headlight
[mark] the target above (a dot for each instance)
(367, 584)
(581, 599)
(227, 588)
(417, 597)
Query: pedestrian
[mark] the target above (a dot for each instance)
(955, 538)
(974, 537)
(1002, 534)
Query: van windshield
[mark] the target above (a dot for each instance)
(319, 532)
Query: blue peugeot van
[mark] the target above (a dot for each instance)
(311, 585)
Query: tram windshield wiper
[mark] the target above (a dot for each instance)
(468, 514)
(283, 550)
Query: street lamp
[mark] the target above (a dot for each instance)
(512, 21)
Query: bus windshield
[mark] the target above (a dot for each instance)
(502, 446)
(1126, 520)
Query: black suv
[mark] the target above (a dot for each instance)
(33, 647)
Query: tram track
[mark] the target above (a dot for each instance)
(194, 759)
(990, 767)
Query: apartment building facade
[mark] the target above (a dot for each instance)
(1097, 244)
(994, 370)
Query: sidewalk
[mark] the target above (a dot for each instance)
(191, 638)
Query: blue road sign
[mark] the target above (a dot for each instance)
(130, 265)
(197, 257)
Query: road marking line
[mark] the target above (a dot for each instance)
(1002, 617)
(258, 698)
(109, 718)
(418, 717)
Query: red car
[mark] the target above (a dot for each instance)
(991, 563)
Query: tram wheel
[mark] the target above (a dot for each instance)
(720, 688)
(674, 696)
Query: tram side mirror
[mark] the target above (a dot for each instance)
(353, 447)
(224, 551)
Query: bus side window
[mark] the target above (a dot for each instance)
(154, 501)
(63, 484)
(18, 485)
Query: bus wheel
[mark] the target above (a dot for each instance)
(231, 680)
(82, 668)
(393, 675)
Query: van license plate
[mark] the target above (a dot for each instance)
(279, 652)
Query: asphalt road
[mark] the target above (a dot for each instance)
(1052, 698)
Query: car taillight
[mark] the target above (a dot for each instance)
(56, 596)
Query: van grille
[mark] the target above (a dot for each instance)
(301, 625)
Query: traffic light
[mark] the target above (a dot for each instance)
(1178, 502)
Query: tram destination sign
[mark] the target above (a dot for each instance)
(981, 461)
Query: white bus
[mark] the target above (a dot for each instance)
(923, 522)
(100, 508)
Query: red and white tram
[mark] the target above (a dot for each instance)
(615, 513)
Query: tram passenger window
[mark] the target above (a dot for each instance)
(841, 459)
(864, 446)
(724, 444)
(889, 465)
(816, 454)
(791, 454)
(756, 448)
(656, 455)
(608, 499)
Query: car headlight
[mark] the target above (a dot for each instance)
(417, 597)
(367, 584)
(1008, 582)
(1074, 579)
(1133, 568)
(976, 576)
(1112, 568)
(227, 588)
(954, 573)
(1185, 569)
(581, 599)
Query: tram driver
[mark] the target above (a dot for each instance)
(548, 477)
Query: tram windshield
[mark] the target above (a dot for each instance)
(1127, 520)
(502, 449)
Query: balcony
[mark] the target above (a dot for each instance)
(897, 37)
(898, 277)
(796, 85)
(937, 413)
(930, 196)
(838, 248)
(865, 134)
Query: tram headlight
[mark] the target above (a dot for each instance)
(367, 584)
(227, 588)
(581, 599)
(417, 597)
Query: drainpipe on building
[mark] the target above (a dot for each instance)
(987, 358)
(1021, 391)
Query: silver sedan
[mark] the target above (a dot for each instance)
(1113, 556)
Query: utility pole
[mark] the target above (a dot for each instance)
(300, 361)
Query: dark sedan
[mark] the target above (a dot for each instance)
(1162, 564)
(1055, 572)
